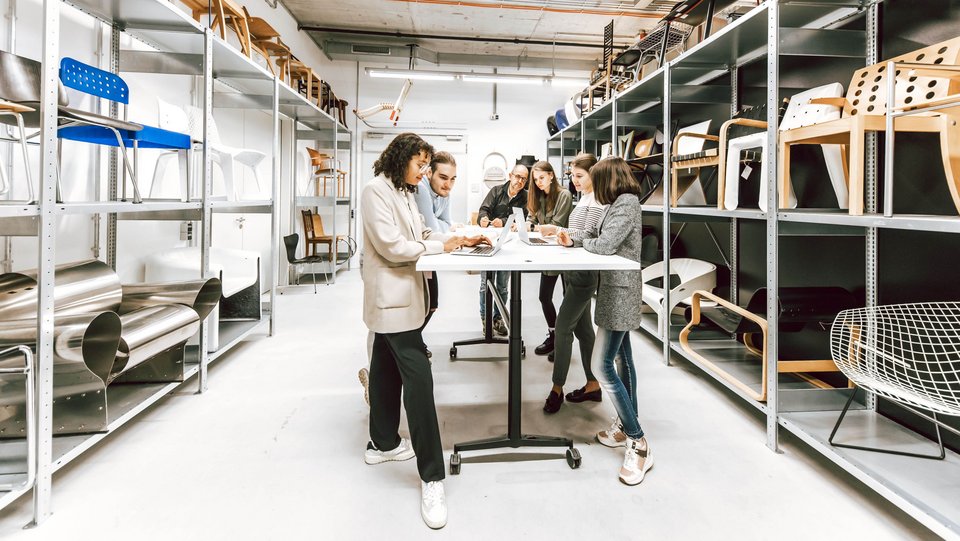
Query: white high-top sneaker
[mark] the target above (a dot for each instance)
(433, 504)
(404, 451)
(637, 460)
(613, 436)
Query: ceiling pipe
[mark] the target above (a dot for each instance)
(516, 41)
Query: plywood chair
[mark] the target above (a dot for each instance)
(326, 168)
(224, 13)
(927, 76)
(265, 41)
(799, 307)
(694, 274)
(688, 153)
(302, 78)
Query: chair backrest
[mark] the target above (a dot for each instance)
(94, 81)
(195, 125)
(867, 92)
(290, 242)
(755, 112)
(307, 223)
(20, 80)
(643, 148)
(690, 145)
(318, 225)
(905, 352)
(173, 118)
(802, 113)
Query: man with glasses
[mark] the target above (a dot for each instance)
(496, 208)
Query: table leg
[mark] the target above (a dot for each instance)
(514, 438)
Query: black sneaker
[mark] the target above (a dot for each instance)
(546, 346)
(553, 403)
(499, 326)
(550, 357)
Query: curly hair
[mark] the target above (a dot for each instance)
(393, 161)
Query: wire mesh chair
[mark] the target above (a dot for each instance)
(908, 353)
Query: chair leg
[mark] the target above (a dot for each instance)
(226, 165)
(856, 168)
(936, 424)
(183, 157)
(783, 170)
(674, 185)
(32, 196)
(314, 276)
(950, 151)
(834, 157)
(159, 171)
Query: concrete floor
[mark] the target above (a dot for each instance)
(274, 451)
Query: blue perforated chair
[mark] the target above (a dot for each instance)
(103, 84)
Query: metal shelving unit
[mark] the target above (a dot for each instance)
(706, 76)
(181, 46)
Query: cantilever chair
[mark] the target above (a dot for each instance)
(800, 308)
(694, 275)
(925, 77)
(689, 154)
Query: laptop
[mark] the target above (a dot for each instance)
(524, 235)
(488, 251)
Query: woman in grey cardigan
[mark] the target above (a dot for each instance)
(618, 310)
(548, 203)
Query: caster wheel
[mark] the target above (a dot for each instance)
(453, 353)
(573, 459)
(455, 464)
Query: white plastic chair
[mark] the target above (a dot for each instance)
(908, 353)
(170, 117)
(694, 275)
(800, 112)
(223, 155)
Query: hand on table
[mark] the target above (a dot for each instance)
(497, 223)
(484, 222)
(476, 240)
(548, 230)
(563, 239)
(453, 243)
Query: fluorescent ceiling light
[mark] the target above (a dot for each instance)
(508, 79)
(567, 82)
(411, 74)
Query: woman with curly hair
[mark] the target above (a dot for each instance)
(395, 301)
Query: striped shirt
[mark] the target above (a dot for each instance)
(585, 216)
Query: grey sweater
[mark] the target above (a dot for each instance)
(620, 293)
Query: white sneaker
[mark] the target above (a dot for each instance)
(404, 451)
(613, 436)
(433, 504)
(637, 460)
(364, 376)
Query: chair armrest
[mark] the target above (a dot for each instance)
(695, 309)
(725, 128)
(679, 136)
(837, 101)
(15, 107)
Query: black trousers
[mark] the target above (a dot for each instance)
(398, 366)
(547, 285)
(433, 289)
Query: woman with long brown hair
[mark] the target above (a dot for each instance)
(548, 203)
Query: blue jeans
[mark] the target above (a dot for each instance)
(500, 279)
(612, 363)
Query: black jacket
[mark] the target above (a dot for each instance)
(498, 204)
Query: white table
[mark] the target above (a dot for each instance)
(516, 258)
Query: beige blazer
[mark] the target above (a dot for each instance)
(395, 296)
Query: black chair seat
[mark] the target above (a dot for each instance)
(799, 306)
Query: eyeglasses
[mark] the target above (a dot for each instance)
(521, 177)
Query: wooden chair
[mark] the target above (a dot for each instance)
(303, 77)
(262, 37)
(224, 13)
(800, 307)
(314, 236)
(925, 77)
(691, 155)
(326, 168)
